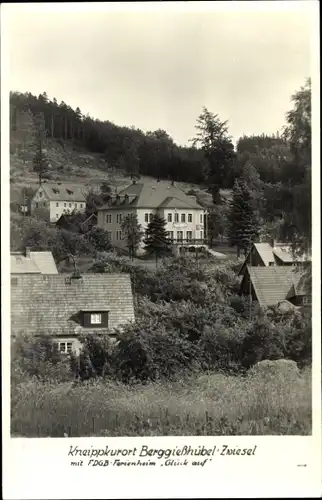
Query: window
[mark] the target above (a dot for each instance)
(63, 347)
(109, 235)
(176, 217)
(189, 235)
(57, 215)
(119, 235)
(201, 218)
(150, 216)
(189, 217)
(40, 194)
(305, 301)
(57, 204)
(118, 218)
(70, 204)
(183, 217)
(81, 205)
(201, 235)
(36, 205)
(65, 204)
(96, 319)
(180, 235)
(146, 217)
(169, 217)
(75, 205)
(109, 218)
(170, 235)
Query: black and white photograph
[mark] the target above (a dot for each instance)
(161, 258)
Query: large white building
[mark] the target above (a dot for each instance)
(185, 218)
(53, 200)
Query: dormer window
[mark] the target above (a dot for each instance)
(96, 319)
(69, 191)
(40, 194)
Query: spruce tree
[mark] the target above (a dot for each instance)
(243, 219)
(156, 240)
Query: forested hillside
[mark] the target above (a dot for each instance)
(269, 174)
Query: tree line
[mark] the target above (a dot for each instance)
(270, 176)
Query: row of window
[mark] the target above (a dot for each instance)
(148, 218)
(44, 204)
(177, 217)
(180, 235)
(70, 204)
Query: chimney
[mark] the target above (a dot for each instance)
(134, 181)
(28, 252)
(272, 242)
(172, 183)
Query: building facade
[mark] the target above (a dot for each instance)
(185, 218)
(53, 200)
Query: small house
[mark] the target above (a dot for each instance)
(53, 200)
(270, 286)
(66, 307)
(270, 255)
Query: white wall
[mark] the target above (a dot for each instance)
(55, 211)
(196, 227)
(63, 207)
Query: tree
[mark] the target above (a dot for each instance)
(25, 127)
(218, 148)
(216, 222)
(156, 240)
(133, 233)
(94, 200)
(297, 221)
(40, 160)
(243, 226)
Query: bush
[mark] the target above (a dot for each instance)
(36, 357)
(147, 350)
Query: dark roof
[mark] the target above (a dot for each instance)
(273, 284)
(63, 192)
(35, 263)
(43, 304)
(153, 196)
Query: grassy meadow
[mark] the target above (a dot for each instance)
(213, 404)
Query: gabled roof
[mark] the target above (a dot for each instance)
(33, 263)
(45, 262)
(154, 196)
(19, 264)
(272, 284)
(268, 253)
(63, 192)
(265, 251)
(44, 304)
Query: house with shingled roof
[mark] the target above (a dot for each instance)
(66, 307)
(271, 254)
(32, 262)
(273, 285)
(184, 216)
(54, 199)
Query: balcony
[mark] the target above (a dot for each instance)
(188, 241)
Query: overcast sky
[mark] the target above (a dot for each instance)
(157, 69)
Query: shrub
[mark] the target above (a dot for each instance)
(36, 357)
(148, 351)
